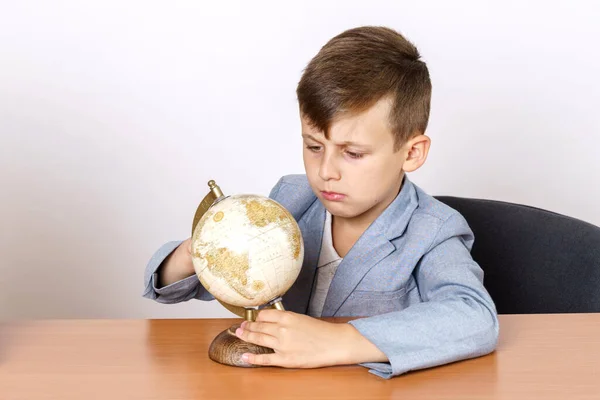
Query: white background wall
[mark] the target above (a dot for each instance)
(115, 114)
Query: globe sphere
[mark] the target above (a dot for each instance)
(247, 250)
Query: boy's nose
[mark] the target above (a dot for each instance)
(328, 170)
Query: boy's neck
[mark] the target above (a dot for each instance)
(346, 231)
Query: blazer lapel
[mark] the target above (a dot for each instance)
(372, 247)
(311, 225)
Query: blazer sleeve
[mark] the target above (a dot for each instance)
(182, 290)
(177, 292)
(456, 318)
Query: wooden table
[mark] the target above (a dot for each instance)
(538, 357)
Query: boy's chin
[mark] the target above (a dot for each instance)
(340, 210)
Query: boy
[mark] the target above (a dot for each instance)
(376, 246)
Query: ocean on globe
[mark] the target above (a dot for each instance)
(247, 250)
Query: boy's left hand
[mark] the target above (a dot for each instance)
(300, 341)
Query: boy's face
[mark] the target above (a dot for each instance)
(357, 173)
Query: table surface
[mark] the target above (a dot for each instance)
(538, 357)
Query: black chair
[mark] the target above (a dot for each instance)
(535, 261)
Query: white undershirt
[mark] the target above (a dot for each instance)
(326, 267)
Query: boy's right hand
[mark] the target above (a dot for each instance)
(177, 266)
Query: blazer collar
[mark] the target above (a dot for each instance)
(393, 221)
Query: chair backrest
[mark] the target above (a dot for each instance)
(535, 261)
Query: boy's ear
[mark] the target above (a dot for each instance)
(416, 150)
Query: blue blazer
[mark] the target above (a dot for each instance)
(410, 274)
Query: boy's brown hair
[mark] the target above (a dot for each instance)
(357, 68)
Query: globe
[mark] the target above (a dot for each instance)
(247, 250)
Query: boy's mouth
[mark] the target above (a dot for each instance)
(333, 196)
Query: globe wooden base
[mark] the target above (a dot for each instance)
(227, 349)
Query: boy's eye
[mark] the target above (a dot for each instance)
(314, 148)
(352, 154)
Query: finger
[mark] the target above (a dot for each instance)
(269, 328)
(270, 315)
(260, 339)
(262, 359)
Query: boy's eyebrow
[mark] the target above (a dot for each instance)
(346, 143)
(309, 136)
(354, 144)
